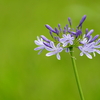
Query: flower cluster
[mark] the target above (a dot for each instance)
(66, 38)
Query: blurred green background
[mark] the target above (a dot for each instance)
(24, 75)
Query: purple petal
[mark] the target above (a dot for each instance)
(89, 37)
(48, 49)
(89, 33)
(64, 31)
(50, 53)
(57, 31)
(67, 26)
(98, 51)
(84, 41)
(58, 56)
(81, 54)
(94, 38)
(40, 51)
(97, 46)
(51, 34)
(80, 48)
(69, 20)
(38, 48)
(50, 28)
(56, 38)
(65, 44)
(82, 20)
(64, 36)
(67, 50)
(78, 33)
(44, 38)
(86, 30)
(62, 40)
(36, 42)
(60, 49)
(59, 26)
(58, 45)
(52, 44)
(71, 42)
(47, 44)
(88, 55)
(74, 33)
(98, 41)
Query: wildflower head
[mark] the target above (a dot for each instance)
(68, 37)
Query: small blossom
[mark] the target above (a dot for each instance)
(86, 30)
(67, 39)
(87, 49)
(97, 47)
(54, 50)
(87, 38)
(40, 43)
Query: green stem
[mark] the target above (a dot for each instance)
(76, 74)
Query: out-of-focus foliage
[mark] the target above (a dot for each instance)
(24, 75)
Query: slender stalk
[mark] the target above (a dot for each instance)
(76, 74)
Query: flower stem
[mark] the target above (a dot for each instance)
(76, 74)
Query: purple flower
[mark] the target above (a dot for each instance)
(97, 47)
(90, 45)
(40, 43)
(87, 38)
(67, 39)
(87, 49)
(54, 50)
